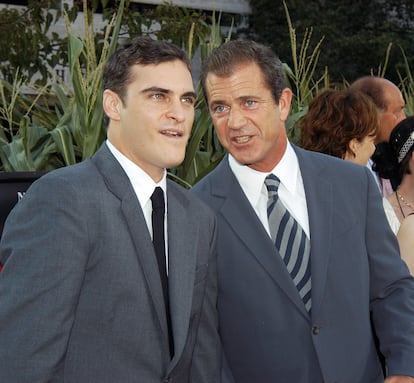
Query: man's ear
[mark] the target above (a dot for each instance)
(284, 103)
(111, 104)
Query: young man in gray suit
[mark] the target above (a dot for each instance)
(83, 298)
(308, 266)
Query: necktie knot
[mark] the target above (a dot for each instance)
(157, 199)
(272, 183)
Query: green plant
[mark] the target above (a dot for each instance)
(407, 85)
(301, 77)
(182, 26)
(25, 142)
(34, 136)
(62, 123)
(28, 45)
(382, 67)
(405, 77)
(80, 131)
(355, 36)
(203, 151)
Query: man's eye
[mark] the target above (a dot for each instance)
(220, 109)
(157, 96)
(188, 100)
(251, 103)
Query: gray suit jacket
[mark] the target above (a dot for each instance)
(80, 293)
(267, 334)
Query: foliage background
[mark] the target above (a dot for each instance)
(48, 123)
(356, 33)
(322, 44)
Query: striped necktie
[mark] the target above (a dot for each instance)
(290, 240)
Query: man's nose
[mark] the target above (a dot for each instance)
(176, 111)
(236, 119)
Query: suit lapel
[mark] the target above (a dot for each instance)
(146, 256)
(118, 183)
(243, 220)
(182, 256)
(319, 199)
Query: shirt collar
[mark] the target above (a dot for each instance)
(142, 183)
(287, 169)
(252, 181)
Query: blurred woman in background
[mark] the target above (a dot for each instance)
(341, 123)
(394, 160)
(344, 123)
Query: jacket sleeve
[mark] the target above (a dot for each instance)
(391, 290)
(43, 251)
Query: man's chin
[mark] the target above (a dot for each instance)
(174, 162)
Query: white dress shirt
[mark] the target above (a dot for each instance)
(143, 186)
(291, 189)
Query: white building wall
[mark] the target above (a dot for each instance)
(231, 6)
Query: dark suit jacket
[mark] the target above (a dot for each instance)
(267, 334)
(80, 293)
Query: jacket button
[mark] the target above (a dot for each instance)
(315, 330)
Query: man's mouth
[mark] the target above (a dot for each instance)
(172, 133)
(241, 139)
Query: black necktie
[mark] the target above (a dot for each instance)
(158, 239)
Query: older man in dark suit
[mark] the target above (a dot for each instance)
(306, 257)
